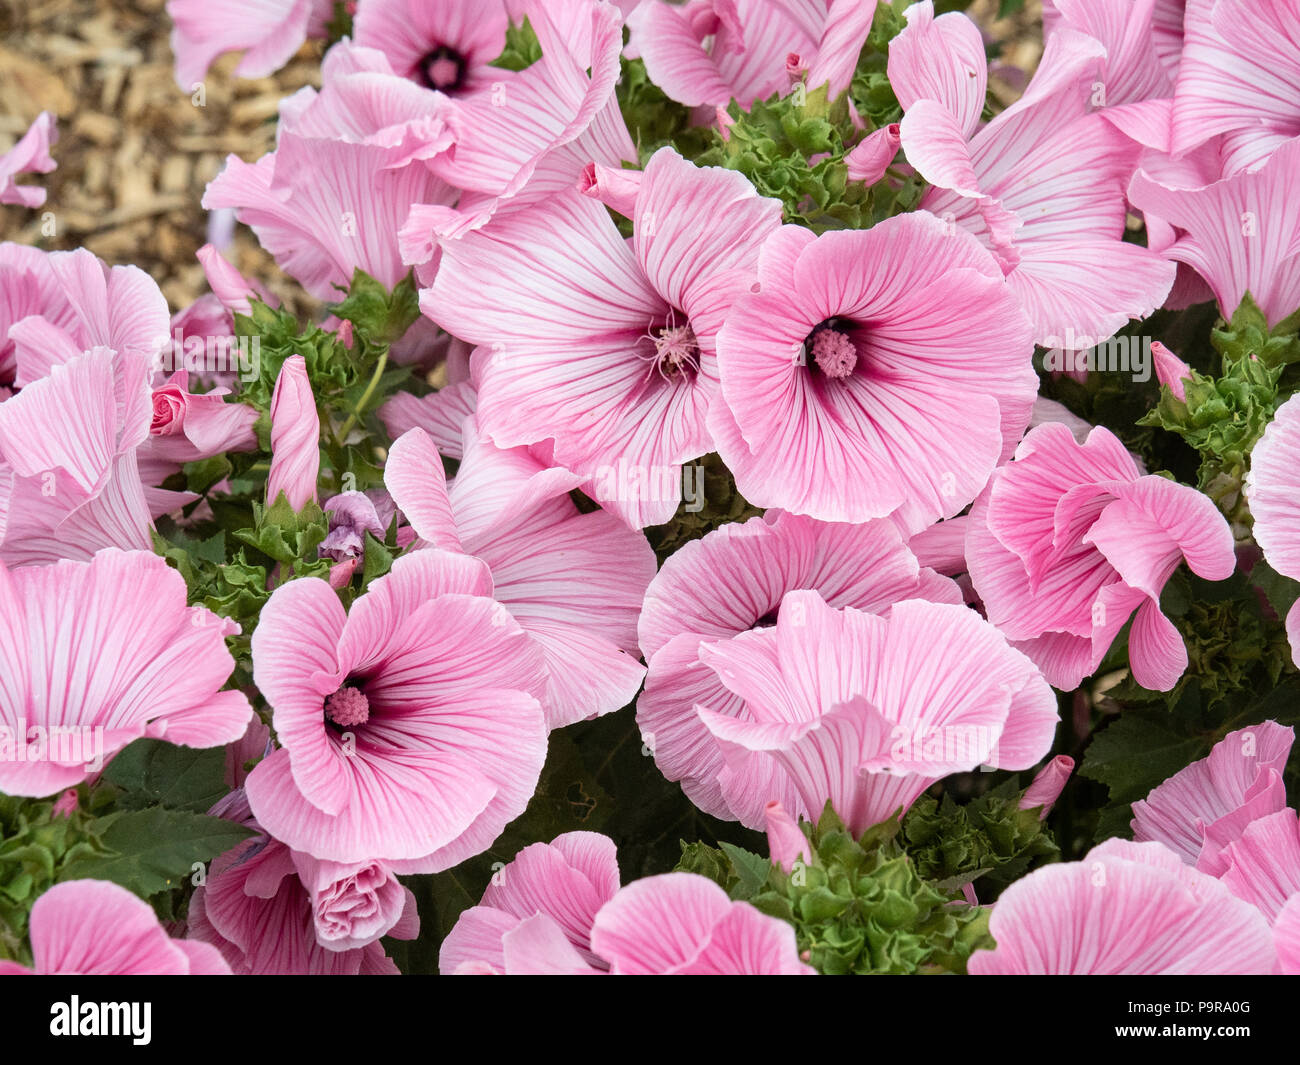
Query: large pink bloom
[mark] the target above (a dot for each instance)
(1055, 225)
(441, 44)
(572, 581)
(107, 644)
(1127, 908)
(268, 32)
(97, 928)
(31, 155)
(1240, 233)
(608, 351)
(1240, 76)
(847, 706)
(1201, 809)
(731, 581)
(558, 909)
(874, 372)
(1273, 491)
(709, 52)
(410, 727)
(1070, 539)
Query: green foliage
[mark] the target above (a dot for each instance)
(989, 839)
(859, 906)
(654, 120)
(339, 24)
(1222, 417)
(522, 48)
(36, 846)
(154, 850)
(154, 773)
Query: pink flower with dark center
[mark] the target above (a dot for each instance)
(845, 370)
(410, 727)
(611, 355)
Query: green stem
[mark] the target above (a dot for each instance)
(365, 396)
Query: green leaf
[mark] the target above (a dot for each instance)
(522, 48)
(381, 316)
(155, 849)
(378, 560)
(154, 773)
(752, 870)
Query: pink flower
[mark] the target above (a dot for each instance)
(1286, 937)
(108, 650)
(349, 163)
(874, 154)
(709, 52)
(1202, 808)
(31, 155)
(846, 706)
(188, 426)
(1055, 227)
(567, 880)
(444, 45)
(69, 479)
(1070, 539)
(273, 911)
(524, 136)
(268, 32)
(28, 286)
(1262, 865)
(1047, 785)
(611, 355)
(1241, 233)
(843, 378)
(574, 582)
(729, 582)
(97, 928)
(410, 729)
(557, 908)
(1272, 487)
(295, 436)
(1126, 909)
(1238, 76)
(1170, 370)
(120, 308)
